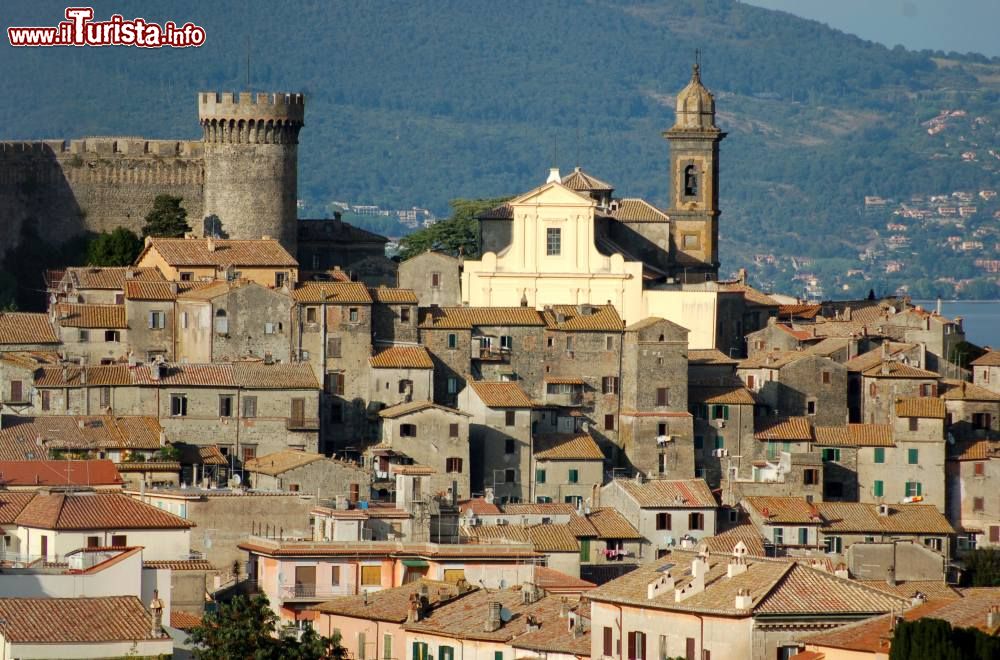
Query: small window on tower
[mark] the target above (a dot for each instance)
(692, 241)
(690, 181)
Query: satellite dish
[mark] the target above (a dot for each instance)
(505, 614)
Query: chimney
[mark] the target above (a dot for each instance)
(529, 593)
(937, 309)
(736, 566)
(493, 621)
(154, 371)
(890, 576)
(173, 288)
(993, 617)
(83, 375)
(883, 510)
(129, 274)
(210, 244)
(744, 601)
(741, 276)
(847, 313)
(148, 241)
(531, 625)
(553, 175)
(156, 610)
(488, 497)
(660, 585)
(413, 609)
(842, 572)
(563, 609)
(699, 567)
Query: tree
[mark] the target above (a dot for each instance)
(982, 568)
(247, 627)
(168, 219)
(934, 639)
(459, 233)
(119, 248)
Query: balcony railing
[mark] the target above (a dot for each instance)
(488, 354)
(303, 591)
(302, 423)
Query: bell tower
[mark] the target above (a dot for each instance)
(694, 184)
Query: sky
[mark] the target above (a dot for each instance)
(949, 25)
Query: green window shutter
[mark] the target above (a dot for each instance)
(446, 653)
(803, 536)
(786, 446)
(920, 489)
(878, 489)
(720, 442)
(498, 655)
(912, 456)
(539, 476)
(880, 454)
(574, 476)
(725, 412)
(361, 646)
(585, 550)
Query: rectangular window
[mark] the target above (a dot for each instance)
(453, 465)
(810, 476)
(226, 405)
(249, 404)
(298, 411)
(452, 385)
(880, 454)
(750, 381)
(333, 347)
(913, 489)
(878, 488)
(335, 383)
(803, 536)
(662, 520)
(506, 343)
(371, 576)
(178, 405)
(978, 503)
(779, 535)
(407, 430)
(452, 340)
(914, 424)
(661, 428)
(810, 407)
(609, 343)
(46, 400)
(663, 396)
(509, 476)
(720, 412)
(156, 320)
(609, 385)
(574, 476)
(833, 544)
(112, 336)
(352, 314)
(268, 328)
(826, 377)
(553, 241)
(92, 541)
(539, 476)
(435, 280)
(84, 336)
(119, 541)
(608, 641)
(249, 453)
(696, 521)
(609, 422)
(508, 446)
(105, 397)
(335, 576)
(279, 280)
(453, 430)
(186, 276)
(311, 314)
(912, 456)
(508, 418)
(978, 469)
(404, 315)
(444, 653)
(831, 454)
(550, 342)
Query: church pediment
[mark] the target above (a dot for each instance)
(552, 194)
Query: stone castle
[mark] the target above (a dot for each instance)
(239, 181)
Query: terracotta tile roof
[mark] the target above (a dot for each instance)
(895, 369)
(804, 590)
(30, 360)
(478, 506)
(212, 290)
(553, 538)
(183, 620)
(567, 447)
(107, 277)
(633, 209)
(920, 406)
(59, 473)
(874, 357)
(389, 604)
(501, 394)
(855, 435)
(384, 294)
(141, 290)
(783, 428)
(249, 375)
(196, 252)
(709, 356)
(751, 294)
(801, 335)
(12, 503)
(21, 435)
(211, 456)
(565, 380)
(401, 409)
(663, 494)
(745, 533)
(579, 180)
(26, 328)
(863, 517)
(539, 508)
(581, 527)
(550, 579)
(987, 359)
(799, 311)
(734, 395)
(85, 511)
(503, 212)
(827, 346)
(610, 524)
(412, 469)
(781, 510)
(91, 316)
(335, 293)
(960, 390)
(976, 450)
(772, 360)
(402, 357)
(554, 636)
(934, 589)
(280, 462)
(603, 318)
(150, 466)
(463, 618)
(482, 551)
(75, 620)
(465, 318)
(278, 376)
(181, 564)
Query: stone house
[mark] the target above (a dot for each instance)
(789, 525)
(798, 383)
(96, 285)
(972, 411)
(973, 470)
(606, 537)
(776, 436)
(939, 336)
(910, 354)
(394, 316)
(668, 513)
(742, 309)
(916, 462)
(887, 382)
(26, 331)
(298, 471)
(849, 465)
(152, 308)
(17, 375)
(986, 371)
(191, 259)
(655, 428)
(433, 277)
(92, 334)
(778, 337)
(328, 243)
(334, 336)
(431, 435)
(503, 420)
(400, 374)
(727, 607)
(710, 367)
(566, 467)
(556, 541)
(233, 320)
(723, 430)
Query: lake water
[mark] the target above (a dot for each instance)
(980, 319)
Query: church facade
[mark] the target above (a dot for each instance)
(571, 241)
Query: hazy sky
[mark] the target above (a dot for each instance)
(948, 25)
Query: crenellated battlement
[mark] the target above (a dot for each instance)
(249, 106)
(103, 146)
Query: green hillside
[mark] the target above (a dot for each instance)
(413, 104)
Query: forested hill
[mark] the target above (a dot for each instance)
(412, 104)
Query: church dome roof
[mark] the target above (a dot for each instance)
(695, 104)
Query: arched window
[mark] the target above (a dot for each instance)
(691, 181)
(221, 322)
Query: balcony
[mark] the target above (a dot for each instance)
(302, 423)
(490, 354)
(303, 592)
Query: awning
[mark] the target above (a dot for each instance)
(415, 563)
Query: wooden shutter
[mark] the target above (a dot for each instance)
(333, 347)
(689, 651)
(631, 645)
(994, 536)
(642, 646)
(16, 390)
(298, 410)
(608, 650)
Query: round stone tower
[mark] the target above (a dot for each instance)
(251, 165)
